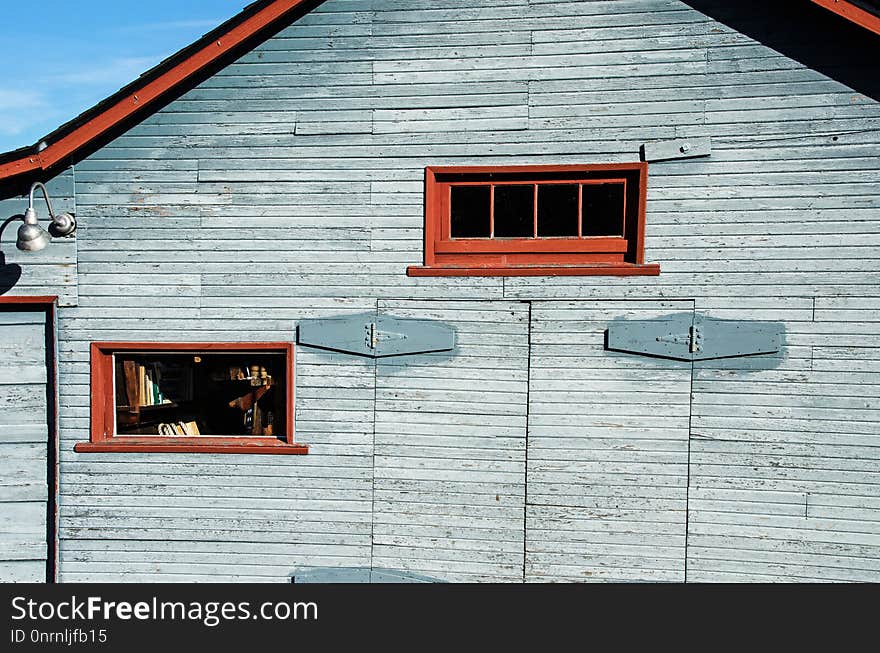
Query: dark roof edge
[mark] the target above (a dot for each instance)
(864, 13)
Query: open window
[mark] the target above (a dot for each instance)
(186, 397)
(535, 220)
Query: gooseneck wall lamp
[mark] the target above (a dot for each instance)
(31, 236)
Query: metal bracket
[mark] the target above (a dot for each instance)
(681, 148)
(694, 337)
(380, 335)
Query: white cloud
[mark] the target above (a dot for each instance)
(205, 23)
(22, 109)
(36, 106)
(19, 99)
(113, 72)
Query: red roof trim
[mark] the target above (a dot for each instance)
(852, 13)
(144, 95)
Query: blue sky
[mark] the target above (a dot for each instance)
(59, 57)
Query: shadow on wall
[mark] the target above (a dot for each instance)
(807, 33)
(10, 273)
(358, 575)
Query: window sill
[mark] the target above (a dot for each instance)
(127, 444)
(596, 269)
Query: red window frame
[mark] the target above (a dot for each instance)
(576, 255)
(103, 405)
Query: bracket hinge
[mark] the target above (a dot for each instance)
(376, 336)
(693, 340)
(692, 337)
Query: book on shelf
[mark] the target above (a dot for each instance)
(150, 393)
(145, 384)
(142, 381)
(179, 428)
(130, 373)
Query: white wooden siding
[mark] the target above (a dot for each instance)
(784, 460)
(608, 449)
(231, 517)
(450, 447)
(289, 186)
(24, 438)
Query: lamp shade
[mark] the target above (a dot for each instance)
(63, 224)
(31, 236)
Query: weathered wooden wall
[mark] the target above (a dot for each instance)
(608, 449)
(289, 186)
(25, 484)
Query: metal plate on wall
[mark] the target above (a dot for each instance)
(687, 337)
(377, 336)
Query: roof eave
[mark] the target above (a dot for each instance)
(852, 13)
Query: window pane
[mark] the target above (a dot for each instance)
(558, 210)
(201, 393)
(603, 210)
(469, 212)
(515, 211)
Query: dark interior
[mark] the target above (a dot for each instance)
(603, 210)
(470, 210)
(241, 393)
(515, 211)
(557, 210)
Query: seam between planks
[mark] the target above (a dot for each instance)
(526, 461)
(687, 494)
(373, 455)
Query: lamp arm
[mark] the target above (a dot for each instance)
(39, 185)
(8, 221)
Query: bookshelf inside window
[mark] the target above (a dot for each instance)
(192, 397)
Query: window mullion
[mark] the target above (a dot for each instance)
(580, 210)
(535, 214)
(492, 211)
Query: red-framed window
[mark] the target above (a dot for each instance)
(192, 397)
(535, 220)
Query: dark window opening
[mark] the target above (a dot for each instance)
(603, 209)
(201, 394)
(470, 211)
(515, 211)
(558, 210)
